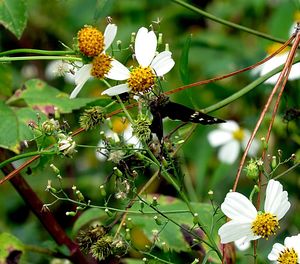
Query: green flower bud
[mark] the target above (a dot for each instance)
(92, 117)
(157, 220)
(274, 162)
(252, 170)
(71, 213)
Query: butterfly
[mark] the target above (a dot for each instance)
(162, 107)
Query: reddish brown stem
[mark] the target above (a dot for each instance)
(45, 216)
(280, 81)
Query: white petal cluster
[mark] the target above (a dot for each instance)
(242, 212)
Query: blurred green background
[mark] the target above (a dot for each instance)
(215, 50)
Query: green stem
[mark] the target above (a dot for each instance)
(173, 182)
(29, 58)
(227, 23)
(26, 155)
(245, 90)
(37, 51)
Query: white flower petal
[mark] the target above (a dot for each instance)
(295, 72)
(229, 152)
(242, 244)
(118, 89)
(276, 250)
(162, 63)
(81, 77)
(234, 230)
(219, 137)
(101, 152)
(117, 71)
(293, 242)
(276, 199)
(254, 146)
(83, 74)
(145, 46)
(230, 125)
(238, 207)
(109, 35)
(130, 138)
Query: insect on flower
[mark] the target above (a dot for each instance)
(162, 107)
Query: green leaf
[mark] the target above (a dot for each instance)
(9, 130)
(9, 244)
(6, 79)
(88, 216)
(169, 232)
(103, 8)
(184, 61)
(13, 16)
(39, 95)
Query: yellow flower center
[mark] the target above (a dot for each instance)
(272, 48)
(288, 256)
(101, 65)
(297, 16)
(239, 134)
(265, 225)
(119, 125)
(141, 79)
(90, 41)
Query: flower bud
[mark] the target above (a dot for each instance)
(154, 201)
(102, 190)
(157, 220)
(252, 170)
(196, 219)
(71, 213)
(273, 162)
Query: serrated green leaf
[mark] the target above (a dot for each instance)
(87, 217)
(39, 95)
(184, 61)
(13, 16)
(9, 243)
(9, 130)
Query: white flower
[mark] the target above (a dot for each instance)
(241, 244)
(142, 78)
(60, 68)
(246, 222)
(85, 72)
(287, 253)
(231, 138)
(276, 61)
(127, 133)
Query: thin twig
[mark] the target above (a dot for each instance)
(266, 107)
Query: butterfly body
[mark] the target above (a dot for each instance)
(162, 107)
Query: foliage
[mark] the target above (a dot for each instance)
(140, 176)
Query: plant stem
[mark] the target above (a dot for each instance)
(245, 90)
(26, 155)
(30, 58)
(37, 51)
(227, 23)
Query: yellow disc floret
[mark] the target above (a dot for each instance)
(265, 225)
(90, 41)
(288, 256)
(101, 65)
(239, 134)
(272, 48)
(141, 79)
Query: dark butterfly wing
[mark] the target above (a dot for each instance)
(185, 114)
(157, 125)
(162, 107)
